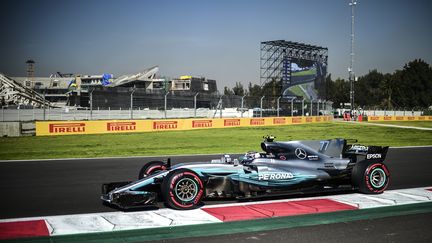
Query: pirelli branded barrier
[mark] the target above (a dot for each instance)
(399, 118)
(48, 128)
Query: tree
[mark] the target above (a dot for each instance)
(368, 89)
(415, 84)
(238, 89)
(228, 91)
(340, 92)
(254, 90)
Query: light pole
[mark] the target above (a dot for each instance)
(351, 73)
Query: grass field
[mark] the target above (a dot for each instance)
(427, 124)
(228, 140)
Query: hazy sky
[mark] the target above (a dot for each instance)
(217, 39)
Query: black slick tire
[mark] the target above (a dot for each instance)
(371, 178)
(151, 168)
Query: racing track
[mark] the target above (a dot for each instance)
(40, 188)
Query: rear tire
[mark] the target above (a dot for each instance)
(182, 189)
(150, 168)
(371, 178)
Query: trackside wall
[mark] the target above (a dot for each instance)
(50, 128)
(399, 118)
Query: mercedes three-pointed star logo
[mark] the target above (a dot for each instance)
(300, 153)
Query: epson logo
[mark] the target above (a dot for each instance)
(275, 176)
(373, 156)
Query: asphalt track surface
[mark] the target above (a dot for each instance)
(408, 228)
(73, 186)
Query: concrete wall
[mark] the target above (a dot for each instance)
(10, 129)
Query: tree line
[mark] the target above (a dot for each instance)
(408, 88)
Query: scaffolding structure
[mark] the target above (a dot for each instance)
(275, 58)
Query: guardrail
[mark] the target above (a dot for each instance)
(50, 128)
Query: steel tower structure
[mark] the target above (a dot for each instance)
(351, 72)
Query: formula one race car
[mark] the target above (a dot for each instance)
(283, 168)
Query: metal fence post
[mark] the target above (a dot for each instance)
(3, 118)
(221, 107)
(324, 107)
(131, 103)
(165, 105)
(18, 109)
(44, 106)
(33, 112)
(303, 106)
(292, 106)
(278, 105)
(195, 104)
(318, 101)
(311, 109)
(261, 106)
(242, 105)
(91, 104)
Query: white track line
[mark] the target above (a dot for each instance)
(385, 125)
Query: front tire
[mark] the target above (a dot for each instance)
(182, 189)
(371, 178)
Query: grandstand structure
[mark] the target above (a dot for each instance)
(59, 90)
(15, 93)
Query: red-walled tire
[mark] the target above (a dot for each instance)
(151, 168)
(182, 189)
(371, 178)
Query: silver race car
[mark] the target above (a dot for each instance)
(283, 168)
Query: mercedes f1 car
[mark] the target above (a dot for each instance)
(283, 168)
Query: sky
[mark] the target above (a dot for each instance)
(215, 39)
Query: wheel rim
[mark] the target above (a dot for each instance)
(186, 189)
(378, 178)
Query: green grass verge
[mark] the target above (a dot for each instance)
(427, 124)
(206, 141)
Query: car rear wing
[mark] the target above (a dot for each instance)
(377, 153)
(371, 153)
